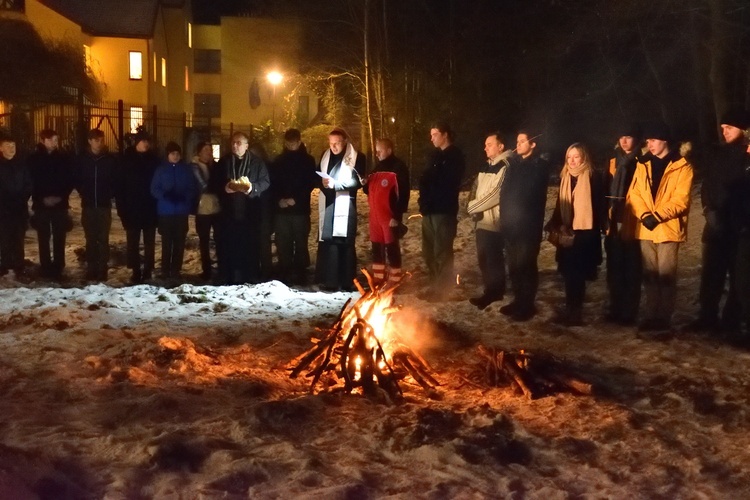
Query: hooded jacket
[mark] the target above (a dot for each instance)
(671, 204)
(175, 188)
(399, 205)
(487, 199)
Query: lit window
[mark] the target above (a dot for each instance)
(155, 67)
(163, 72)
(136, 65)
(187, 80)
(87, 58)
(136, 119)
(190, 35)
(216, 151)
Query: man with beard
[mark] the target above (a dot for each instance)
(341, 170)
(241, 177)
(292, 180)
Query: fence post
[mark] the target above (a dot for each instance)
(81, 127)
(120, 125)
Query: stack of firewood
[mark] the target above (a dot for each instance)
(532, 375)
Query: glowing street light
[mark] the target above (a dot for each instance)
(274, 78)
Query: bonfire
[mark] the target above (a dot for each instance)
(361, 351)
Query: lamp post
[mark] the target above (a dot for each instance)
(274, 78)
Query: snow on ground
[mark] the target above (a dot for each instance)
(113, 391)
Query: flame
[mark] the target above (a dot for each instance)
(357, 368)
(375, 309)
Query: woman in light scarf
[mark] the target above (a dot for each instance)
(578, 218)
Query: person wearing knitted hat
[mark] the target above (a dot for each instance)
(659, 197)
(719, 237)
(623, 250)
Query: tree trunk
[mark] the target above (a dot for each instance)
(367, 77)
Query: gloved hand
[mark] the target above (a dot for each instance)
(650, 222)
(477, 217)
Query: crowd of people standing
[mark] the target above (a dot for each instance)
(638, 205)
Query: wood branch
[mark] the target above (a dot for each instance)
(517, 375)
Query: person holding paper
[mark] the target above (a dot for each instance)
(341, 170)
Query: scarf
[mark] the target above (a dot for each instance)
(619, 188)
(575, 203)
(342, 202)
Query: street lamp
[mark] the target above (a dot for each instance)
(274, 78)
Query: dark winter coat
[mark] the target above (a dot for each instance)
(293, 176)
(618, 210)
(240, 206)
(585, 255)
(395, 165)
(441, 181)
(95, 179)
(739, 199)
(15, 187)
(135, 204)
(175, 188)
(523, 197)
(720, 185)
(51, 175)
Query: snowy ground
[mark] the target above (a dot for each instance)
(110, 391)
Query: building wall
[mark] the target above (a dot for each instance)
(51, 25)
(179, 100)
(110, 62)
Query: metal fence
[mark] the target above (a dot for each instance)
(72, 119)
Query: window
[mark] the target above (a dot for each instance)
(207, 105)
(187, 80)
(154, 67)
(163, 72)
(87, 58)
(216, 151)
(136, 65)
(207, 61)
(190, 35)
(303, 109)
(136, 119)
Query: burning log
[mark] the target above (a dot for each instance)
(533, 375)
(353, 353)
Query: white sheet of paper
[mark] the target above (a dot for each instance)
(323, 174)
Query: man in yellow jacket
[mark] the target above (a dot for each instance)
(659, 197)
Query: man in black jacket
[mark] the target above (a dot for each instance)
(15, 190)
(438, 204)
(95, 172)
(52, 182)
(292, 180)
(136, 207)
(719, 237)
(241, 177)
(523, 197)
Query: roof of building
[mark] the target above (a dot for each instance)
(133, 18)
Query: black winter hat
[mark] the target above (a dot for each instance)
(736, 117)
(172, 147)
(141, 135)
(657, 130)
(629, 130)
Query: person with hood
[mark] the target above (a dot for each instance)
(95, 172)
(623, 250)
(484, 208)
(719, 237)
(438, 203)
(176, 191)
(341, 171)
(15, 190)
(52, 182)
(207, 212)
(241, 178)
(388, 190)
(292, 180)
(659, 197)
(577, 220)
(523, 197)
(136, 207)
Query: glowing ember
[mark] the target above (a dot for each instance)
(362, 349)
